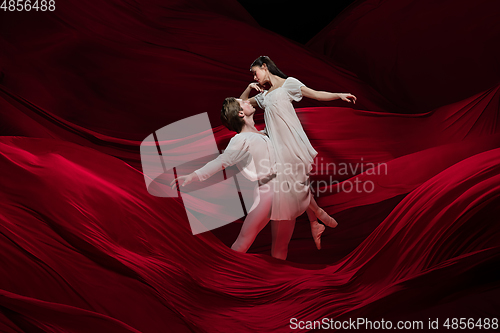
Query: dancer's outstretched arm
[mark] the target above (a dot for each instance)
(327, 96)
(235, 152)
(187, 180)
(246, 93)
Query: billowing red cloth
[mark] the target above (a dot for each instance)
(419, 54)
(86, 248)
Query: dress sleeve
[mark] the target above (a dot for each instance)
(292, 87)
(259, 98)
(236, 150)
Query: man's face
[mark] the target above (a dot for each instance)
(248, 109)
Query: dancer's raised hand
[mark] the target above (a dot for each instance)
(256, 86)
(348, 97)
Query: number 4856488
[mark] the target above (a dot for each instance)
(28, 5)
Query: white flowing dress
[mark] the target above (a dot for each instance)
(294, 153)
(255, 157)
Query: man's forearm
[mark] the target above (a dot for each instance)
(326, 96)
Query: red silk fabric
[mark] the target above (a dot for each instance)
(85, 247)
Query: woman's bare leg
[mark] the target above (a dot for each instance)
(255, 221)
(282, 233)
(317, 229)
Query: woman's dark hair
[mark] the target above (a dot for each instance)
(271, 66)
(229, 115)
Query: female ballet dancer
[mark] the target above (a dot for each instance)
(293, 149)
(237, 115)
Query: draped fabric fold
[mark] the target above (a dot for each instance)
(419, 54)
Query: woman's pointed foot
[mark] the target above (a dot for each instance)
(326, 219)
(316, 230)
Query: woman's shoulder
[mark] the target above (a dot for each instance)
(293, 88)
(291, 80)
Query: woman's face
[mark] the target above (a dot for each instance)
(260, 74)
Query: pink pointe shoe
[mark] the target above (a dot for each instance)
(326, 219)
(316, 230)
